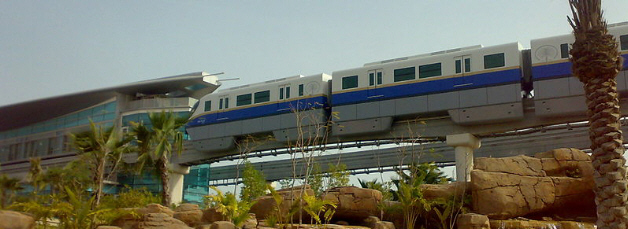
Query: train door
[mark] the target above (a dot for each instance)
(223, 104)
(376, 78)
(284, 95)
(463, 66)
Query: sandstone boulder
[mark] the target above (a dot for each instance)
(190, 214)
(526, 224)
(222, 225)
(211, 215)
(265, 206)
(353, 203)
(15, 220)
(155, 208)
(557, 182)
(435, 191)
(472, 221)
(108, 227)
(161, 221)
(250, 223)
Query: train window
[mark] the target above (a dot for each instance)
(404, 74)
(623, 40)
(208, 105)
(430, 70)
(220, 104)
(494, 61)
(287, 92)
(458, 66)
(284, 92)
(349, 82)
(301, 89)
(467, 64)
(281, 92)
(564, 50)
(262, 96)
(242, 100)
(226, 102)
(371, 78)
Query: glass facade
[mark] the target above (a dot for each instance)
(101, 113)
(196, 184)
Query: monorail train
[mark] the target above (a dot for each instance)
(472, 85)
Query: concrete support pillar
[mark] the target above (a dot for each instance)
(176, 182)
(464, 145)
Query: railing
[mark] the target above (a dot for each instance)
(153, 103)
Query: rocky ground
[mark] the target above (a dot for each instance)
(550, 190)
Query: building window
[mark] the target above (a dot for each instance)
(208, 105)
(494, 61)
(430, 70)
(301, 89)
(623, 41)
(348, 82)
(564, 50)
(262, 96)
(242, 100)
(404, 74)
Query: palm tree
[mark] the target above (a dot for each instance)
(102, 148)
(8, 187)
(156, 144)
(596, 62)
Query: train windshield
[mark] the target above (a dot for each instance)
(194, 107)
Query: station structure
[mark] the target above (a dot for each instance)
(41, 128)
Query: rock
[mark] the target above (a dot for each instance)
(211, 215)
(554, 183)
(435, 191)
(250, 223)
(384, 225)
(189, 214)
(472, 221)
(204, 226)
(161, 221)
(342, 222)
(332, 226)
(155, 208)
(371, 221)
(525, 224)
(222, 225)
(265, 206)
(108, 227)
(15, 220)
(354, 204)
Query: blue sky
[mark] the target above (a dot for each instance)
(50, 48)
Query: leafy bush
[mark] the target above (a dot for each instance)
(254, 183)
(235, 211)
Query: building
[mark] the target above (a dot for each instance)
(41, 128)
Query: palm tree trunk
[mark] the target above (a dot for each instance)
(596, 62)
(165, 178)
(606, 144)
(100, 175)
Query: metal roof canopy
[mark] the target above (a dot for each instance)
(26, 113)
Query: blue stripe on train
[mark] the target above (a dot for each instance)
(259, 111)
(428, 87)
(559, 70)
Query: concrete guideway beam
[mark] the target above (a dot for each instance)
(464, 144)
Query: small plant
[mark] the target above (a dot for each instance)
(254, 183)
(233, 210)
(315, 207)
(280, 214)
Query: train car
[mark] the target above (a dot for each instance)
(259, 109)
(370, 98)
(556, 93)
